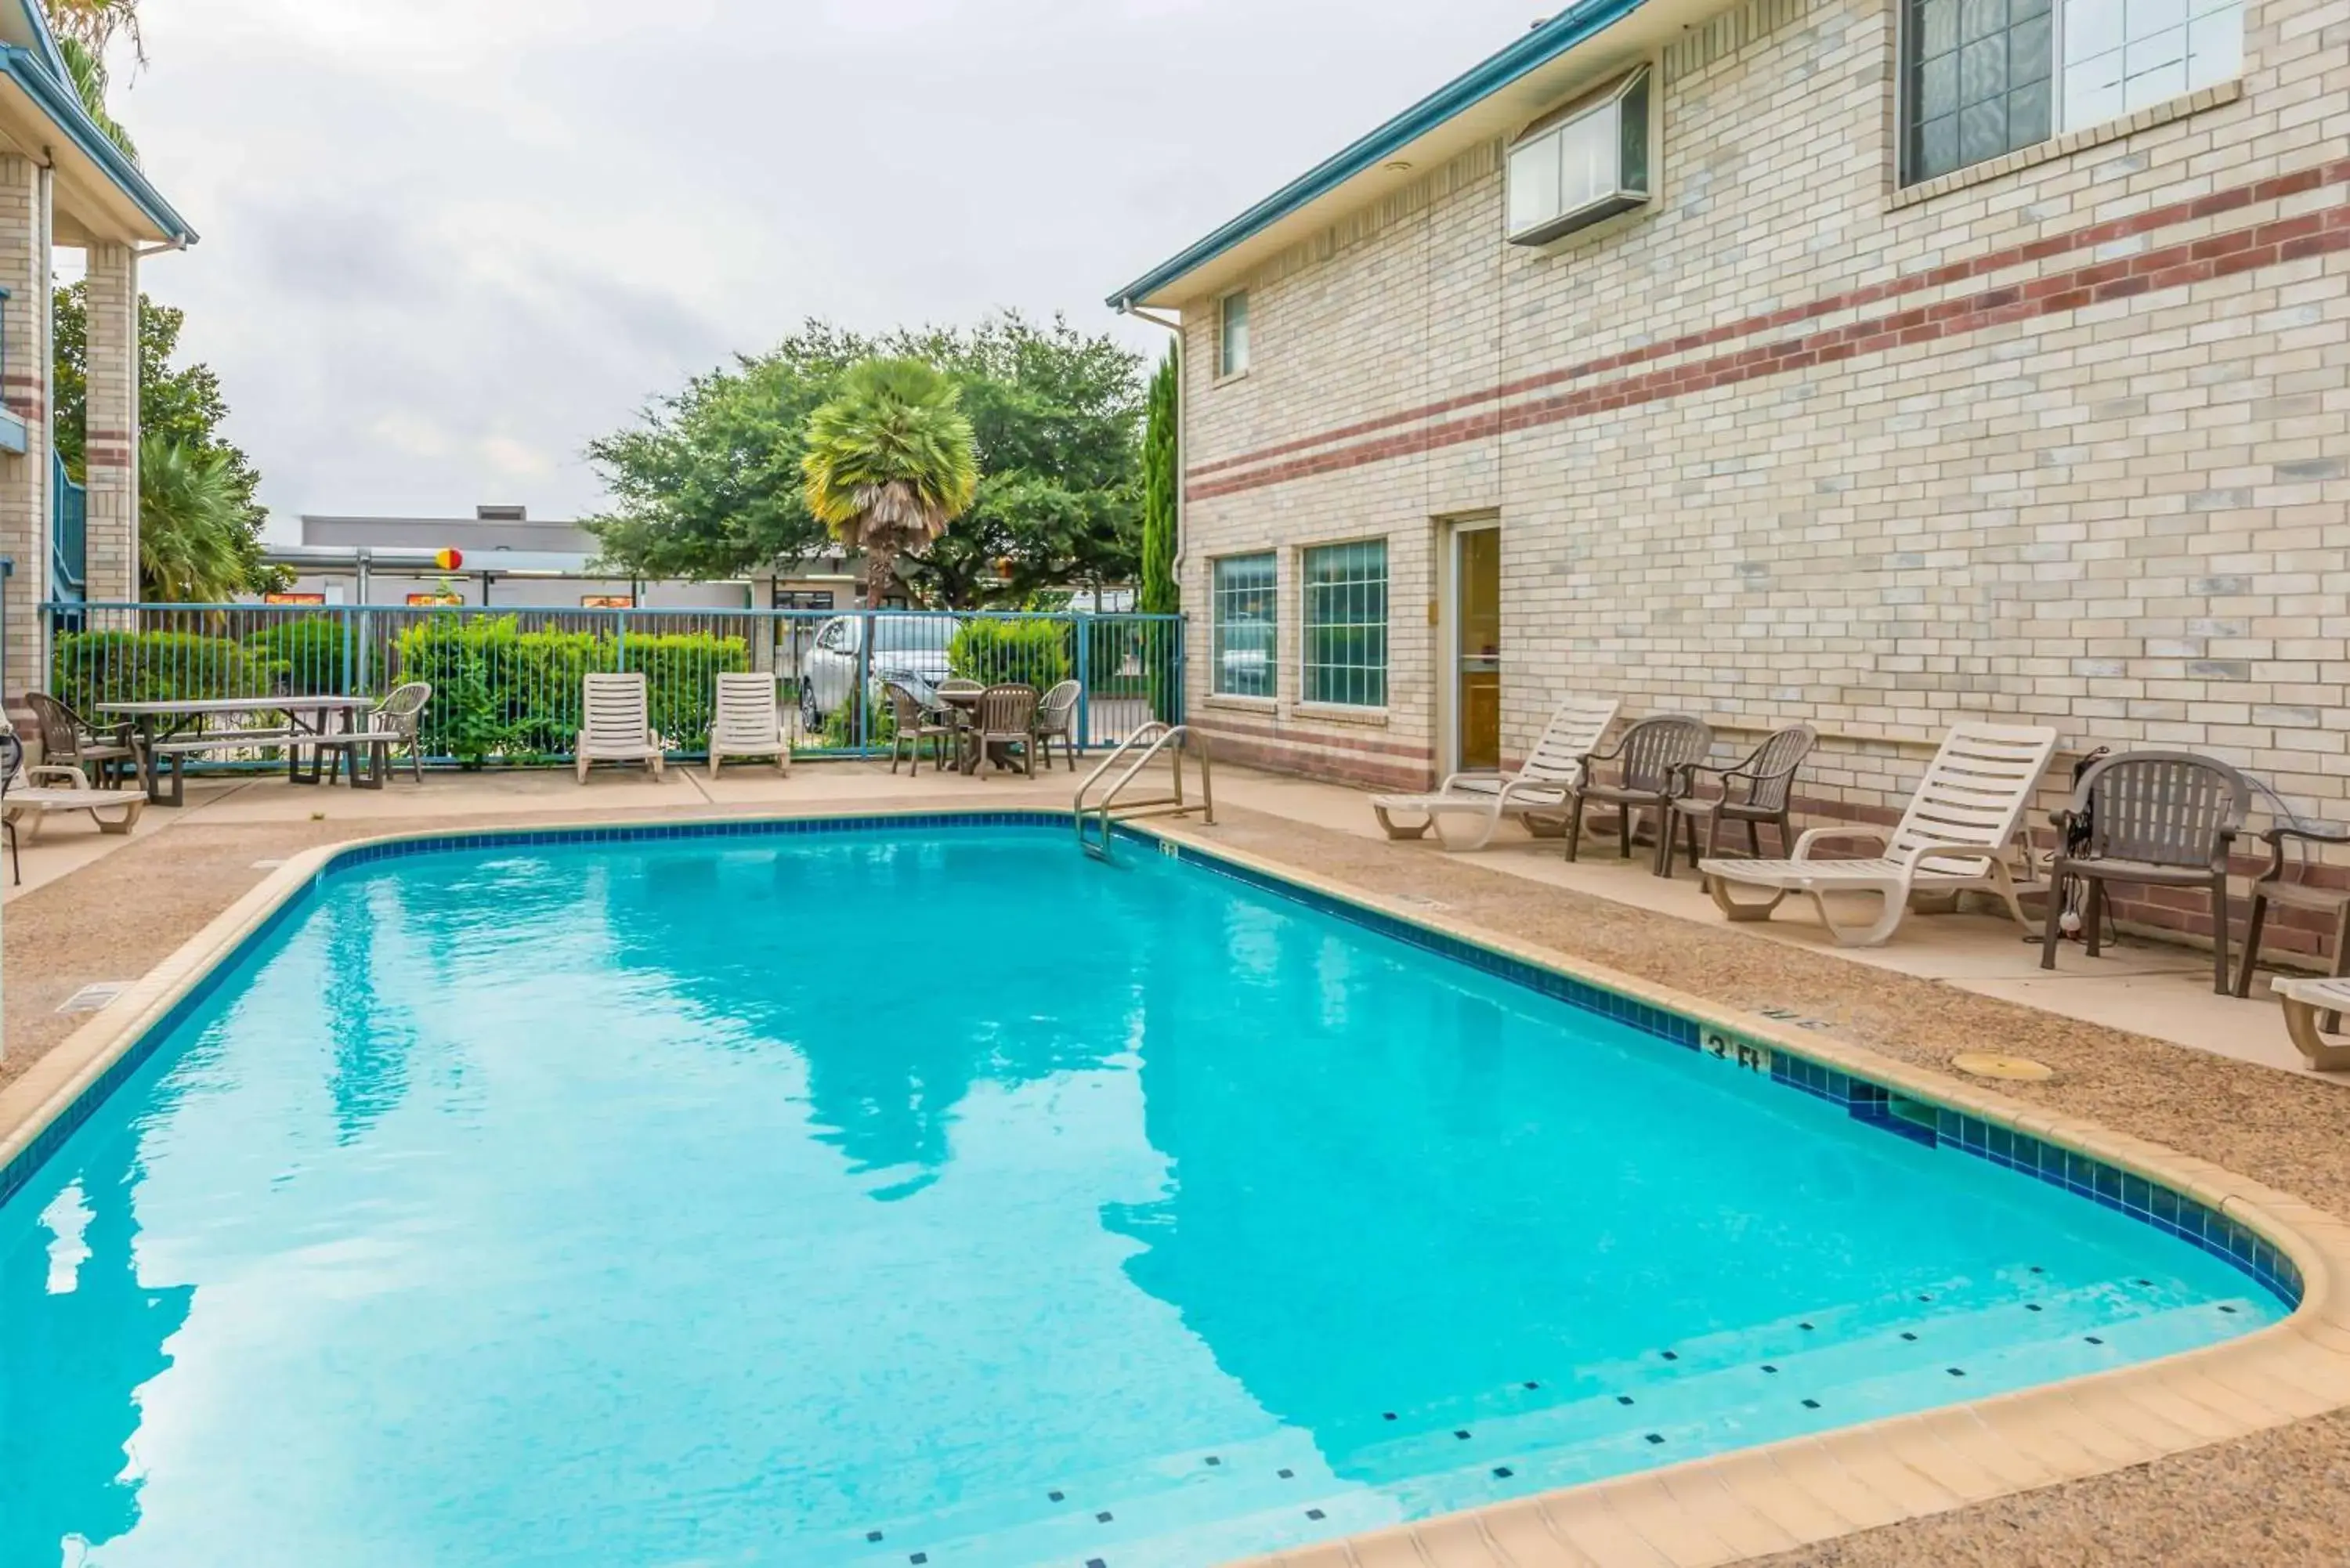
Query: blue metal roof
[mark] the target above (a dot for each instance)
(42, 76)
(1539, 47)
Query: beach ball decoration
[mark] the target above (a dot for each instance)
(448, 558)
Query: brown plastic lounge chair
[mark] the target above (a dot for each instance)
(1954, 837)
(2156, 819)
(1540, 787)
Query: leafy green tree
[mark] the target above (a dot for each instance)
(193, 541)
(708, 483)
(1158, 594)
(182, 404)
(890, 463)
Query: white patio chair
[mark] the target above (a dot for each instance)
(749, 722)
(1552, 768)
(1954, 837)
(615, 725)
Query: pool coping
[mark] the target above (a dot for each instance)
(1725, 1508)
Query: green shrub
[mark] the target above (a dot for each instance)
(504, 692)
(87, 667)
(996, 652)
(322, 654)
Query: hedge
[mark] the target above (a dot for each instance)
(996, 652)
(87, 667)
(500, 691)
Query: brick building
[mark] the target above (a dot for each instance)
(63, 185)
(1866, 362)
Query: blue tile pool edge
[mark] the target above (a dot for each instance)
(1895, 1111)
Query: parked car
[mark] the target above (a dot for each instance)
(912, 645)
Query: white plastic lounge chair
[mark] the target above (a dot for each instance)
(1576, 727)
(749, 723)
(615, 724)
(2304, 1000)
(1954, 837)
(34, 802)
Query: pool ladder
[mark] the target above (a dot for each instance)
(1177, 740)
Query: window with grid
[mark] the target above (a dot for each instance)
(1347, 624)
(2123, 56)
(1979, 80)
(1233, 334)
(1246, 612)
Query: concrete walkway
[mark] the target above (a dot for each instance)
(2144, 987)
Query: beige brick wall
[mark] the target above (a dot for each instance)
(111, 440)
(2052, 488)
(23, 384)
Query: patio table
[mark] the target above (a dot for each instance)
(166, 719)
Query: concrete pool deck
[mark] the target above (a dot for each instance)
(2208, 1460)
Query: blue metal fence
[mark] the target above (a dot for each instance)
(506, 679)
(68, 531)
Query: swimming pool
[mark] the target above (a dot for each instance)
(926, 1193)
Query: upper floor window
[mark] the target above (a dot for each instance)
(1589, 162)
(1982, 77)
(1231, 334)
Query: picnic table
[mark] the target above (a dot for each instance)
(171, 729)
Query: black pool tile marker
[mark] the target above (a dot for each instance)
(1103, 1516)
(1288, 1475)
(1925, 1298)
(1314, 1513)
(2093, 1339)
(1768, 1367)
(1214, 1460)
(1656, 1437)
(2032, 1306)
(1623, 1399)
(2038, 1270)
(1053, 1497)
(1955, 1371)
(1095, 1562)
(1672, 1355)
(1811, 1404)
(1907, 1334)
(1804, 1326)
(2229, 1309)
(1386, 1415)
(1534, 1385)
(1461, 1433)
(2145, 1282)
(872, 1535)
(918, 1558)
(1502, 1472)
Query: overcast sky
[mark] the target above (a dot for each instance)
(447, 242)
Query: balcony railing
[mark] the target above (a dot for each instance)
(69, 532)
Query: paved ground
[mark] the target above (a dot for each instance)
(1950, 983)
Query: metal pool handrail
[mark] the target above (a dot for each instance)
(1150, 740)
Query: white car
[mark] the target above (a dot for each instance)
(910, 644)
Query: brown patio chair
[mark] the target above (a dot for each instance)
(2273, 886)
(2158, 819)
(1056, 720)
(1757, 790)
(106, 754)
(915, 724)
(1006, 716)
(1642, 771)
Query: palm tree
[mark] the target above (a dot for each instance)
(890, 463)
(193, 545)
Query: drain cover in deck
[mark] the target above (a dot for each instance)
(93, 996)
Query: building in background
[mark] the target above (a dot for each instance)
(509, 558)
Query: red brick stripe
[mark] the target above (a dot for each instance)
(2317, 232)
(2275, 188)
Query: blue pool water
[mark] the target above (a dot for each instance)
(838, 1199)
